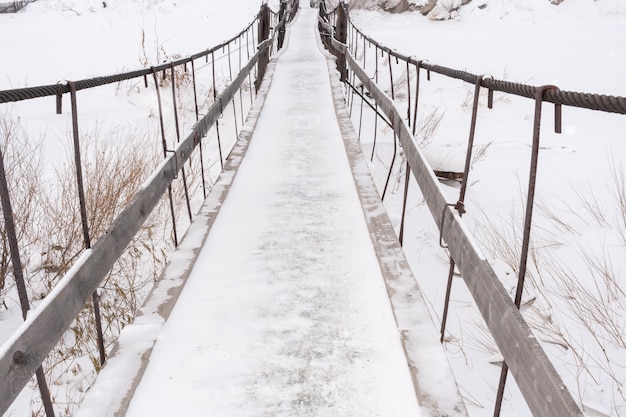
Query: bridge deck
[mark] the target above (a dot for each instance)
(286, 311)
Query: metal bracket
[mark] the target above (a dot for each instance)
(443, 220)
(175, 162)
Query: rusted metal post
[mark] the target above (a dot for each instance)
(408, 92)
(248, 57)
(341, 32)
(83, 214)
(78, 166)
(408, 167)
(59, 103)
(195, 90)
(405, 198)
(283, 20)
(230, 79)
(241, 112)
(376, 103)
(164, 144)
(177, 125)
(393, 161)
(264, 33)
(460, 205)
(532, 181)
(418, 66)
(217, 124)
(18, 274)
(393, 92)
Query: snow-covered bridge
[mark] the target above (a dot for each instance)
(286, 309)
(290, 293)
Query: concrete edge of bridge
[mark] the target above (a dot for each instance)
(115, 385)
(434, 382)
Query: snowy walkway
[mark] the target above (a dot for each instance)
(285, 312)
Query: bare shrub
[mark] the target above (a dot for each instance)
(115, 168)
(50, 238)
(578, 296)
(22, 161)
(592, 301)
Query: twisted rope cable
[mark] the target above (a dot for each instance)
(21, 94)
(599, 102)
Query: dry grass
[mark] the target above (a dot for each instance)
(115, 166)
(428, 125)
(579, 295)
(22, 160)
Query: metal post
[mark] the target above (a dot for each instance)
(195, 89)
(240, 92)
(408, 167)
(18, 274)
(407, 178)
(532, 181)
(408, 93)
(83, 214)
(59, 103)
(248, 57)
(418, 65)
(177, 125)
(195, 100)
(395, 136)
(78, 166)
(393, 95)
(164, 144)
(460, 205)
(264, 33)
(230, 75)
(376, 103)
(393, 159)
(217, 123)
(283, 28)
(341, 32)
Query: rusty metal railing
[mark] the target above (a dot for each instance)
(22, 355)
(539, 382)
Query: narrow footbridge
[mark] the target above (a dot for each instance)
(289, 293)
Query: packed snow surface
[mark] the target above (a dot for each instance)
(578, 46)
(285, 312)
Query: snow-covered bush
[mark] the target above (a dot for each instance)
(50, 240)
(23, 168)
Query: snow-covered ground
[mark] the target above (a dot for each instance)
(579, 45)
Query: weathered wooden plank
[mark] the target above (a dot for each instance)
(424, 354)
(22, 354)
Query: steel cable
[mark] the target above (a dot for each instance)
(21, 94)
(599, 102)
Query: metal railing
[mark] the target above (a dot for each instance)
(22, 355)
(538, 380)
